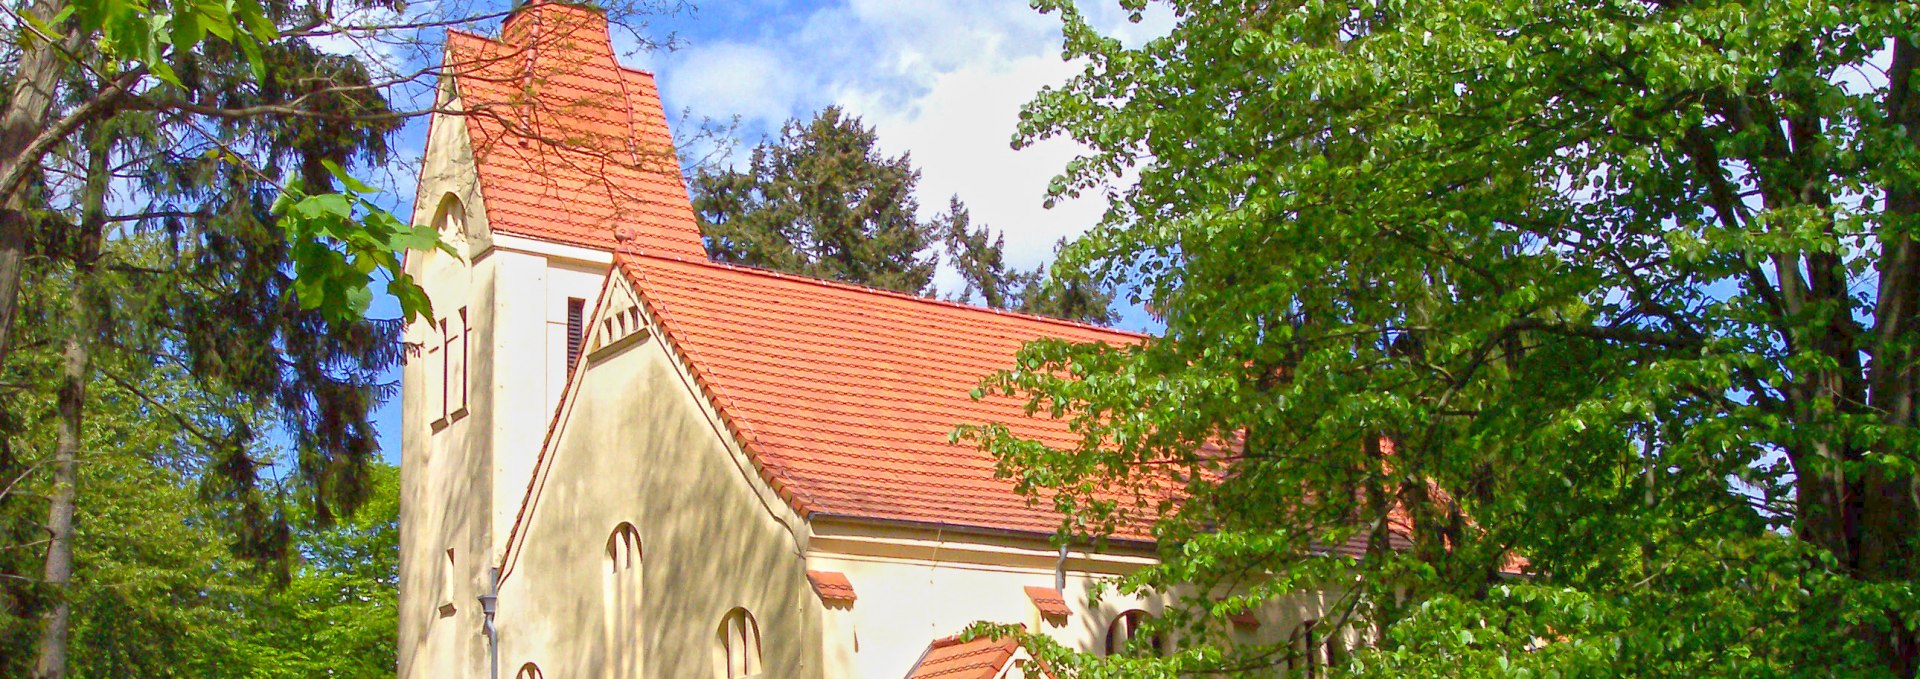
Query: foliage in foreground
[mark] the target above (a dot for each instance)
(157, 588)
(1611, 309)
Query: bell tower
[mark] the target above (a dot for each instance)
(548, 157)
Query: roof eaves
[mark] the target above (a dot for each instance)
(970, 529)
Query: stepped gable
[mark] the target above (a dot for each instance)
(845, 396)
(570, 146)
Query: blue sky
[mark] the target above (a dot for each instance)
(942, 80)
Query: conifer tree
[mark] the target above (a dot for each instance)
(978, 255)
(198, 279)
(823, 201)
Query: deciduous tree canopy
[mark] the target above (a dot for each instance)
(1630, 288)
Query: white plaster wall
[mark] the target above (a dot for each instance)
(915, 585)
(637, 445)
(462, 481)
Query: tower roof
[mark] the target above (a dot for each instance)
(570, 145)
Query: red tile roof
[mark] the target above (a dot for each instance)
(1049, 601)
(845, 396)
(831, 586)
(951, 658)
(570, 146)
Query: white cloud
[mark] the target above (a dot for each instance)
(723, 79)
(943, 80)
(960, 134)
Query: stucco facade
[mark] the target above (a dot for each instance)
(626, 504)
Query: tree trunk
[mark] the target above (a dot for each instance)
(1890, 496)
(58, 575)
(27, 110)
(59, 570)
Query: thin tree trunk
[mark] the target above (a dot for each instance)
(28, 108)
(59, 570)
(56, 624)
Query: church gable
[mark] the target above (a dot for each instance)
(642, 508)
(846, 396)
(618, 322)
(623, 323)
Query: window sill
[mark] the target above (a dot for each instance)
(607, 351)
(450, 418)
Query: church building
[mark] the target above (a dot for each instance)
(624, 460)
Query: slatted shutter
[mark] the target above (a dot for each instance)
(576, 329)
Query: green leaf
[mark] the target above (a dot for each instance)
(345, 179)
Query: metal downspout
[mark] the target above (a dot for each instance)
(488, 604)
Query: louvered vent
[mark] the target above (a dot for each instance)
(576, 329)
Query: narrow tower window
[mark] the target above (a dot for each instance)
(434, 369)
(466, 330)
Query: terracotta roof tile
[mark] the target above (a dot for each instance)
(1049, 601)
(845, 396)
(832, 586)
(951, 658)
(570, 146)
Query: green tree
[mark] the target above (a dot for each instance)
(978, 255)
(823, 201)
(200, 276)
(164, 578)
(337, 616)
(1619, 297)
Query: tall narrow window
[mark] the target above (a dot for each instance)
(459, 349)
(623, 601)
(1306, 649)
(736, 651)
(576, 329)
(435, 371)
(446, 368)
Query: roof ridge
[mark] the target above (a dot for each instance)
(754, 270)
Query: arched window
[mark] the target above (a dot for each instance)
(622, 578)
(623, 549)
(1306, 647)
(450, 219)
(736, 648)
(529, 671)
(1125, 627)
